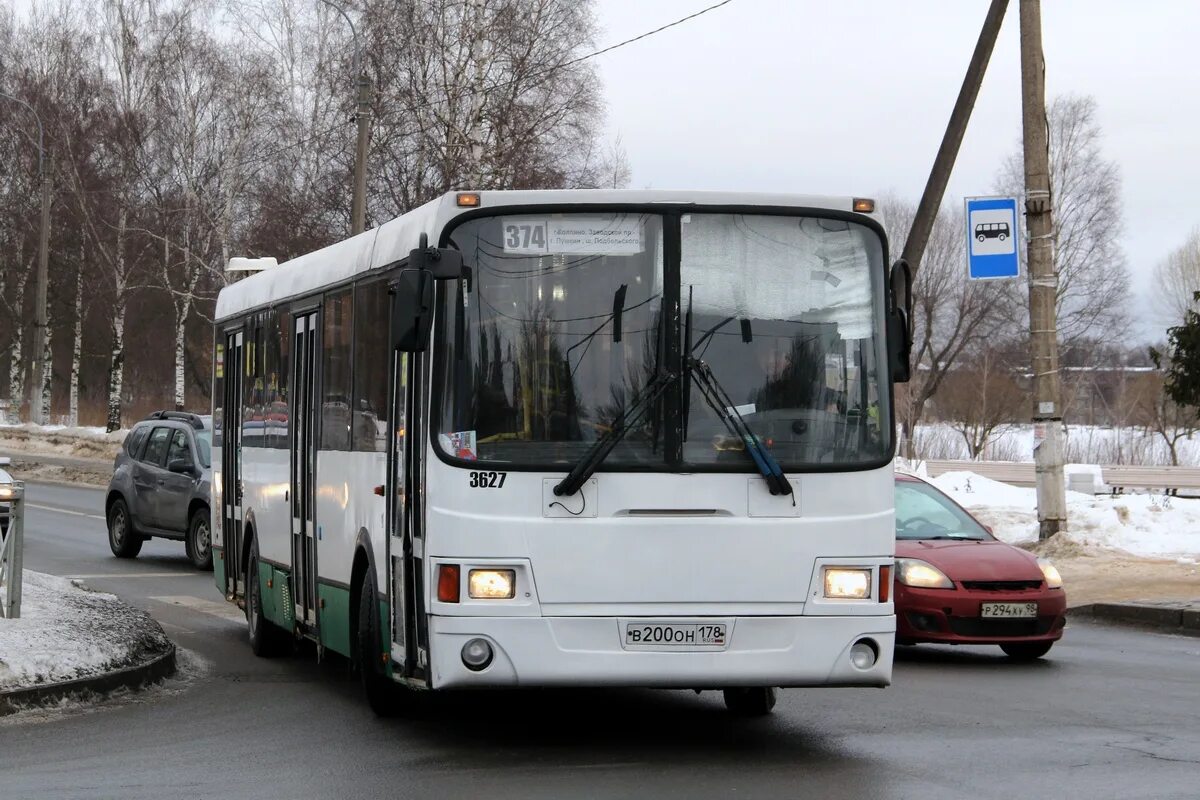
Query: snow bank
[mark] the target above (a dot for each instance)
(83, 432)
(66, 632)
(1148, 525)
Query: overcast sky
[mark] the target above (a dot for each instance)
(853, 97)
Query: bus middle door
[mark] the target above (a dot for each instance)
(303, 416)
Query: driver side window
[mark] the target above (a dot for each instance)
(179, 448)
(913, 504)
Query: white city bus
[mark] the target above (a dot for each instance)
(585, 438)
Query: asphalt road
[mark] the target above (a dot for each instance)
(1111, 713)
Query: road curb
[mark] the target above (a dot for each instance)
(133, 677)
(1163, 618)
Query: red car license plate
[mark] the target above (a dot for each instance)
(1009, 610)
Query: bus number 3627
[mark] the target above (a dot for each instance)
(488, 480)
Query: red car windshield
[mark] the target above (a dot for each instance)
(922, 512)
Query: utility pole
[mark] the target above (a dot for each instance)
(37, 385)
(362, 115)
(39, 395)
(358, 208)
(1043, 279)
(943, 164)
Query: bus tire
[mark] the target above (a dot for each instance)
(266, 639)
(382, 693)
(750, 701)
(123, 540)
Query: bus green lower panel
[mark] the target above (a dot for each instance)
(335, 618)
(275, 590)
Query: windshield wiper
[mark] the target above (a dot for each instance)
(718, 399)
(604, 445)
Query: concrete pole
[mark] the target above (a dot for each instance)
(40, 322)
(1043, 280)
(358, 204)
(358, 209)
(943, 164)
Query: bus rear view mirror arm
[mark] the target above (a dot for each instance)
(443, 263)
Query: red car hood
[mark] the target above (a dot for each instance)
(973, 560)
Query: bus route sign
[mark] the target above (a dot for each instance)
(992, 235)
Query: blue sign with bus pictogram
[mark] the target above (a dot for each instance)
(992, 235)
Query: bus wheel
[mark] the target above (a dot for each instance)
(266, 639)
(750, 701)
(382, 693)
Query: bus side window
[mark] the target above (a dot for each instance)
(372, 305)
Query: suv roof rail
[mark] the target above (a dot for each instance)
(183, 416)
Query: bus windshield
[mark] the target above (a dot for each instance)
(565, 320)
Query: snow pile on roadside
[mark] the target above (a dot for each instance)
(1147, 525)
(59, 440)
(66, 632)
(78, 432)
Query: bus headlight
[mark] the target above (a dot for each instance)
(492, 584)
(847, 584)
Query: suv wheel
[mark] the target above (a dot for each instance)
(123, 540)
(199, 540)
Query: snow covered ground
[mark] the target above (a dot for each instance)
(1146, 525)
(66, 632)
(1086, 444)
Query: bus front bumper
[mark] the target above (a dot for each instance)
(588, 651)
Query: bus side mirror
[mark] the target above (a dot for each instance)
(899, 321)
(412, 310)
(443, 263)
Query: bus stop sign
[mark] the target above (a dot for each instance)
(992, 235)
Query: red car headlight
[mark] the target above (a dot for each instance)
(921, 574)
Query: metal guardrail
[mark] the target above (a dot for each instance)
(12, 541)
(1117, 476)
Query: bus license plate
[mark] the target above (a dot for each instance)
(673, 634)
(1010, 609)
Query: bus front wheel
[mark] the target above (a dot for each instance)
(383, 695)
(750, 701)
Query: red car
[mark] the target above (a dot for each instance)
(955, 583)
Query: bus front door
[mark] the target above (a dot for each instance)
(231, 464)
(303, 423)
(405, 540)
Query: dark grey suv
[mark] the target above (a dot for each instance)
(160, 486)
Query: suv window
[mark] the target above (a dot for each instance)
(179, 447)
(156, 448)
(133, 442)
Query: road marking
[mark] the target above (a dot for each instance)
(135, 575)
(64, 511)
(211, 607)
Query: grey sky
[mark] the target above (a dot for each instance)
(853, 97)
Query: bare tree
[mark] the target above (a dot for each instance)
(1163, 417)
(951, 314)
(488, 94)
(1177, 279)
(1093, 277)
(980, 397)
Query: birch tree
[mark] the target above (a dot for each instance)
(487, 94)
(1085, 188)
(1177, 279)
